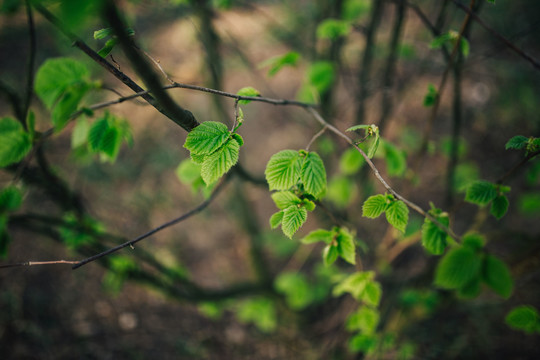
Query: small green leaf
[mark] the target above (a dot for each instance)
(283, 170)
(345, 246)
(108, 47)
(431, 96)
(523, 318)
(293, 218)
(434, 239)
(219, 162)
(14, 142)
(259, 311)
(333, 29)
(351, 161)
(278, 62)
(188, 172)
(103, 33)
(313, 174)
(481, 193)
(517, 142)
(276, 219)
(308, 204)
(497, 276)
(317, 235)
(10, 199)
(474, 241)
(238, 139)
(341, 190)
(330, 254)
(457, 268)
(79, 135)
(374, 206)
(298, 293)
(470, 290)
(247, 91)
(67, 104)
(372, 294)
(321, 75)
(364, 320)
(284, 199)
(396, 163)
(397, 215)
(358, 127)
(355, 284)
(499, 206)
(207, 138)
(364, 343)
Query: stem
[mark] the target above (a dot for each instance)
(31, 62)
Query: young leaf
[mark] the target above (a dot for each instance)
(313, 174)
(431, 96)
(372, 294)
(341, 190)
(108, 47)
(321, 75)
(284, 199)
(457, 268)
(103, 33)
(474, 241)
(276, 219)
(333, 29)
(308, 204)
(317, 235)
(298, 292)
(14, 142)
(374, 206)
(499, 206)
(10, 200)
(351, 161)
(283, 170)
(259, 311)
(218, 163)
(293, 218)
(480, 193)
(396, 164)
(354, 284)
(434, 238)
(79, 136)
(517, 142)
(188, 172)
(471, 290)
(330, 254)
(364, 320)
(524, 318)
(497, 276)
(397, 215)
(278, 62)
(247, 91)
(345, 247)
(207, 138)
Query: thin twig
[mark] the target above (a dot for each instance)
(34, 263)
(409, 203)
(31, 62)
(175, 221)
(315, 137)
(505, 41)
(509, 173)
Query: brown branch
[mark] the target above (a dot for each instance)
(505, 41)
(34, 263)
(510, 172)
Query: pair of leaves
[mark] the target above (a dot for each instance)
(451, 37)
(61, 84)
(213, 146)
(362, 286)
(520, 142)
(103, 137)
(15, 143)
(293, 212)
(371, 140)
(465, 267)
(483, 192)
(287, 168)
(397, 213)
(339, 242)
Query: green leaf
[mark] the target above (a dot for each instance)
(517, 142)
(474, 241)
(259, 311)
(108, 47)
(55, 76)
(318, 235)
(313, 174)
(481, 193)
(197, 159)
(523, 318)
(188, 172)
(434, 239)
(333, 29)
(79, 135)
(103, 33)
(308, 204)
(284, 199)
(10, 199)
(247, 91)
(529, 203)
(397, 215)
(431, 96)
(499, 206)
(365, 343)
(372, 294)
(276, 219)
(67, 105)
(298, 293)
(497, 276)
(457, 268)
(358, 127)
(355, 284)
(219, 162)
(238, 139)
(283, 170)
(330, 254)
(341, 191)
(207, 138)
(364, 320)
(15, 143)
(345, 246)
(351, 161)
(278, 62)
(374, 206)
(321, 76)
(396, 163)
(470, 290)
(293, 218)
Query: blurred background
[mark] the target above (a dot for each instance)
(222, 284)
